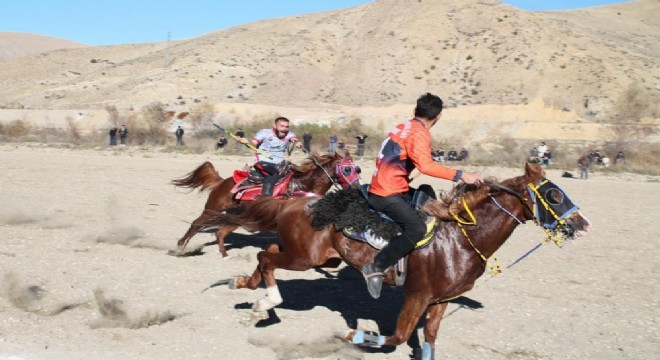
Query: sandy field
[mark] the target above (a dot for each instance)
(85, 273)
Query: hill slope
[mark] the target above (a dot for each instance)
(471, 52)
(17, 44)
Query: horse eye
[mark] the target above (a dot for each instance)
(346, 170)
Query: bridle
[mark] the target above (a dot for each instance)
(557, 232)
(346, 173)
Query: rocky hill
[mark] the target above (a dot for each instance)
(583, 66)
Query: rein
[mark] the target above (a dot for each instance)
(332, 180)
(495, 264)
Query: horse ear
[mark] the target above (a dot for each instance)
(347, 153)
(534, 170)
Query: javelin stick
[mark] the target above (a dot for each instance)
(250, 146)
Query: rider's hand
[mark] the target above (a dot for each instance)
(298, 144)
(472, 178)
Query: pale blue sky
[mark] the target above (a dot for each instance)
(108, 22)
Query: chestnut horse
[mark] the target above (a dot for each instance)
(316, 175)
(482, 218)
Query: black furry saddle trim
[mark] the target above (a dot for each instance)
(348, 208)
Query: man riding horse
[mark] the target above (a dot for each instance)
(407, 147)
(272, 142)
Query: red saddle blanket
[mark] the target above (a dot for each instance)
(245, 190)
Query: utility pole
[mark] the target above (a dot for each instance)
(168, 60)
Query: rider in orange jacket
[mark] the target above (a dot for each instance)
(407, 147)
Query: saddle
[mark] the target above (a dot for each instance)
(249, 182)
(378, 237)
(348, 211)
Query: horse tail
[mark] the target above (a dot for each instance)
(258, 215)
(204, 177)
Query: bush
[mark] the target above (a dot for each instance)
(15, 129)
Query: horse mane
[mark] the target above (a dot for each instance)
(309, 165)
(452, 202)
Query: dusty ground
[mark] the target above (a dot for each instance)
(85, 274)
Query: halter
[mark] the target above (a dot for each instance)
(352, 175)
(550, 208)
(347, 171)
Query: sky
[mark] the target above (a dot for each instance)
(112, 22)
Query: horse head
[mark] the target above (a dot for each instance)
(320, 172)
(347, 173)
(550, 207)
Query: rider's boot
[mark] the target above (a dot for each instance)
(267, 189)
(374, 273)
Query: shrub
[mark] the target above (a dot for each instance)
(16, 129)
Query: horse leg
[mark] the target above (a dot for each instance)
(252, 282)
(433, 318)
(195, 227)
(220, 235)
(268, 262)
(412, 310)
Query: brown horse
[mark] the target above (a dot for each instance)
(445, 269)
(316, 175)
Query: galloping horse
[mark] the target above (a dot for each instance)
(444, 269)
(316, 175)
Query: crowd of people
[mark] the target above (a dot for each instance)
(595, 157)
(541, 153)
(438, 155)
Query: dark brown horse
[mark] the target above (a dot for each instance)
(443, 270)
(316, 175)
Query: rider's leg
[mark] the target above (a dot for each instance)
(412, 230)
(268, 185)
(270, 180)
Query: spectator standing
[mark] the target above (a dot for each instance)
(179, 136)
(239, 134)
(113, 136)
(463, 155)
(221, 143)
(583, 164)
(123, 134)
(332, 146)
(620, 157)
(361, 141)
(307, 141)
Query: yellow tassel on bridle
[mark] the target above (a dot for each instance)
(495, 264)
(556, 238)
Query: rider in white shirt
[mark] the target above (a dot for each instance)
(273, 142)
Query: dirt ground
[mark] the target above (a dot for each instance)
(85, 273)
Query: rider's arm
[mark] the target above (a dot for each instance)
(418, 146)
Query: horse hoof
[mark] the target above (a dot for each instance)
(264, 304)
(368, 338)
(427, 352)
(232, 284)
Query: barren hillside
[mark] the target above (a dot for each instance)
(474, 53)
(16, 44)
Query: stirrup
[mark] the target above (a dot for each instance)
(374, 280)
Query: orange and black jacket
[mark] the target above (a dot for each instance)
(407, 147)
